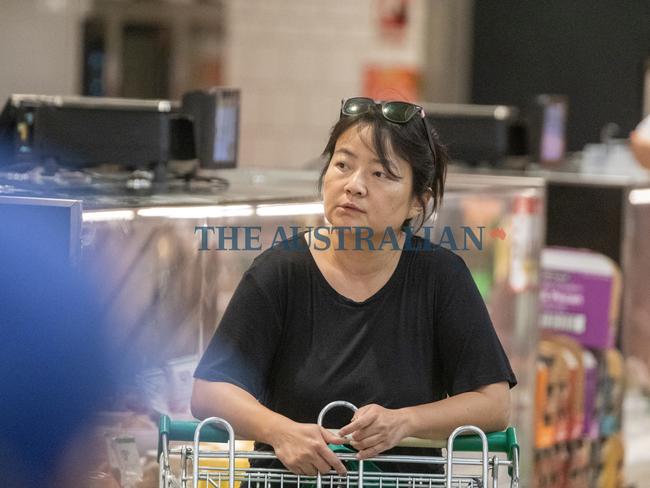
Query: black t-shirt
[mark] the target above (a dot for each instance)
(288, 338)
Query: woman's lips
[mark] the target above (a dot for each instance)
(350, 206)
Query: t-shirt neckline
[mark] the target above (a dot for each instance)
(394, 277)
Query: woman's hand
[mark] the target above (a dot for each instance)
(302, 448)
(375, 429)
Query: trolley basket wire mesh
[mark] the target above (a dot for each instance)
(228, 468)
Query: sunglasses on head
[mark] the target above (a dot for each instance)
(393, 110)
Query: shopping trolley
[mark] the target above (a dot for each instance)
(206, 468)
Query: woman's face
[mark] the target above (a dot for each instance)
(358, 191)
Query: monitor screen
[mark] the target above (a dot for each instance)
(552, 144)
(547, 129)
(226, 123)
(215, 115)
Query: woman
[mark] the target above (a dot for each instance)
(399, 330)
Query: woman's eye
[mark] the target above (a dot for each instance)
(339, 164)
(380, 174)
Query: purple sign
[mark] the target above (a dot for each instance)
(577, 304)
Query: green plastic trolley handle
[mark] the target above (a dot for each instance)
(183, 430)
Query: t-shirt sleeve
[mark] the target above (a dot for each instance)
(243, 346)
(471, 353)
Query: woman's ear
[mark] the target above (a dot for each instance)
(418, 205)
(415, 210)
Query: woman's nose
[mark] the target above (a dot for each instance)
(356, 184)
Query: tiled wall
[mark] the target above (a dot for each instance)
(295, 59)
(40, 46)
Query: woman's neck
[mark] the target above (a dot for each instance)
(362, 257)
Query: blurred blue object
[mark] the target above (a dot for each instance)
(56, 365)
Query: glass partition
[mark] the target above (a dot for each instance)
(168, 295)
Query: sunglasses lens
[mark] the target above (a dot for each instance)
(399, 112)
(356, 106)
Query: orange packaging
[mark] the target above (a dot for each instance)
(544, 427)
(576, 391)
(561, 363)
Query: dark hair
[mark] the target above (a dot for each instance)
(408, 141)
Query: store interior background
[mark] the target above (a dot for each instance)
(295, 59)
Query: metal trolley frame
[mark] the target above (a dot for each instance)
(502, 446)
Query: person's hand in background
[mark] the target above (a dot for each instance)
(640, 142)
(640, 145)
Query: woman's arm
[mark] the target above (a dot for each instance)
(249, 418)
(302, 448)
(375, 429)
(488, 408)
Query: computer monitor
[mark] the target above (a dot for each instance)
(547, 129)
(215, 113)
(474, 133)
(80, 132)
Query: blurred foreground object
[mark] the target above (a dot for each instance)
(55, 353)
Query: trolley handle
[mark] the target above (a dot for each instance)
(183, 430)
